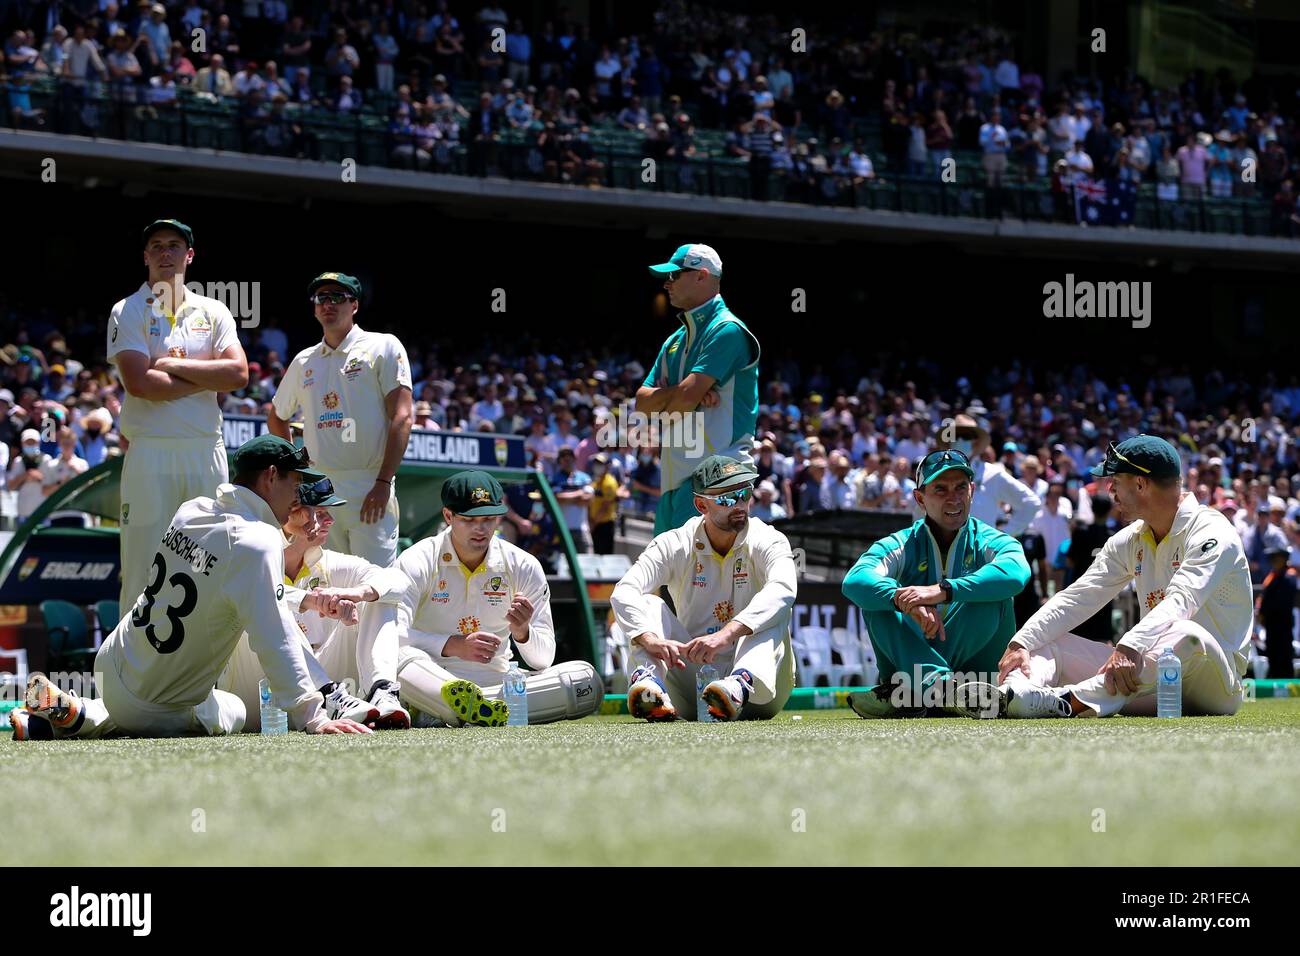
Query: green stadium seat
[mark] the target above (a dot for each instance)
(68, 637)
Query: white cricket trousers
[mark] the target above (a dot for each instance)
(766, 654)
(1211, 685)
(376, 542)
(117, 711)
(158, 476)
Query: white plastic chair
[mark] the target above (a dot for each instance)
(853, 669)
(19, 676)
(813, 645)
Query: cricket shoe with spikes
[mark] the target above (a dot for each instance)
(340, 705)
(61, 709)
(29, 726)
(727, 696)
(392, 715)
(1027, 702)
(467, 700)
(877, 703)
(647, 697)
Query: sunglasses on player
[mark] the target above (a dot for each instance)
(313, 493)
(944, 454)
(730, 499)
(674, 276)
(332, 298)
(1113, 455)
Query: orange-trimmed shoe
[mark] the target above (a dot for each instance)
(727, 696)
(29, 726)
(44, 699)
(647, 697)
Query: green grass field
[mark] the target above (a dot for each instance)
(1210, 791)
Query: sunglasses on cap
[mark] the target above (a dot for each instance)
(1113, 455)
(293, 460)
(313, 493)
(332, 298)
(730, 499)
(943, 454)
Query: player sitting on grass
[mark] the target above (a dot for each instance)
(732, 579)
(472, 594)
(337, 659)
(1193, 583)
(936, 597)
(218, 572)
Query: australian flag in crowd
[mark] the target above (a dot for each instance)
(1108, 202)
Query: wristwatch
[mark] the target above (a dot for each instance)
(946, 587)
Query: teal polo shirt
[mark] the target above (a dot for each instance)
(713, 341)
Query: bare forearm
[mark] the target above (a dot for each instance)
(399, 433)
(670, 398)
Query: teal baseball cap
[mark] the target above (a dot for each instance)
(1147, 456)
(692, 256)
(937, 462)
(160, 224)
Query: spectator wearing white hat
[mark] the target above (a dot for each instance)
(766, 508)
(94, 426)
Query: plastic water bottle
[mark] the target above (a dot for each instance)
(515, 692)
(274, 720)
(705, 676)
(1169, 684)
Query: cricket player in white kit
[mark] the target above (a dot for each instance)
(472, 594)
(174, 350)
(354, 391)
(335, 657)
(1193, 585)
(732, 579)
(216, 572)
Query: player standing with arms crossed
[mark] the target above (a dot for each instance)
(174, 350)
(354, 390)
(217, 572)
(708, 368)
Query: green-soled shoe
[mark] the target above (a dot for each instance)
(467, 700)
(875, 704)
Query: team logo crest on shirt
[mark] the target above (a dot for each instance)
(739, 575)
(1177, 559)
(30, 565)
(353, 367)
(1155, 597)
(314, 583)
(723, 611)
(126, 514)
(468, 625)
(331, 400)
(200, 324)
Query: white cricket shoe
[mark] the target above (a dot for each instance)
(1027, 702)
(392, 715)
(727, 696)
(340, 705)
(647, 697)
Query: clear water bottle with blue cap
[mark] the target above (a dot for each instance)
(705, 676)
(1169, 684)
(514, 691)
(274, 720)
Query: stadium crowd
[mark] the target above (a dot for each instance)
(820, 117)
(821, 444)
